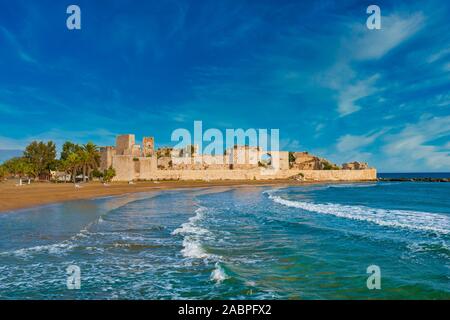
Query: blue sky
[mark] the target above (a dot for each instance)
(311, 69)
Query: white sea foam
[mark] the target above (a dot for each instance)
(413, 220)
(193, 249)
(56, 249)
(218, 274)
(191, 227)
(193, 233)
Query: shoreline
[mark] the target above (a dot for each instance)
(14, 198)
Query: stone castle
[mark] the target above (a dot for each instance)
(132, 161)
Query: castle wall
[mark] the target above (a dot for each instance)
(106, 155)
(339, 175)
(147, 168)
(261, 174)
(124, 144)
(124, 167)
(239, 163)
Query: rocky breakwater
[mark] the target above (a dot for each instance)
(415, 179)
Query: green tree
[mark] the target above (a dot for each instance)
(3, 172)
(69, 148)
(41, 156)
(109, 174)
(97, 174)
(72, 159)
(72, 164)
(90, 158)
(19, 167)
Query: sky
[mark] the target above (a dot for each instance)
(311, 69)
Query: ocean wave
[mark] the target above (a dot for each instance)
(193, 249)
(190, 226)
(441, 249)
(192, 233)
(58, 248)
(135, 246)
(55, 249)
(412, 220)
(218, 274)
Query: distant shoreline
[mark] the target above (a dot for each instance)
(413, 175)
(14, 198)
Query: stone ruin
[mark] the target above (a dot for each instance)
(355, 165)
(133, 162)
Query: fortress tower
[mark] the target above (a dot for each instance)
(148, 144)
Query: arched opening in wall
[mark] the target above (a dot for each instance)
(265, 160)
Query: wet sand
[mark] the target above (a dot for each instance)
(14, 197)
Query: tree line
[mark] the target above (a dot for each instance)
(40, 158)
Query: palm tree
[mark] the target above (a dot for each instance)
(72, 164)
(90, 159)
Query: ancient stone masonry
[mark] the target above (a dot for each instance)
(131, 162)
(355, 166)
(305, 161)
(148, 144)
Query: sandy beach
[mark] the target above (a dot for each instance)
(14, 197)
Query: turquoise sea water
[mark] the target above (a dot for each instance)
(311, 242)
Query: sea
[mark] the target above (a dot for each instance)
(318, 241)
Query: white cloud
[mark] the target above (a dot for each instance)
(350, 142)
(365, 44)
(413, 145)
(374, 44)
(438, 55)
(349, 95)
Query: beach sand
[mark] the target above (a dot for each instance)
(14, 197)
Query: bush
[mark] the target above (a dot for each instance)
(109, 174)
(97, 174)
(330, 166)
(3, 172)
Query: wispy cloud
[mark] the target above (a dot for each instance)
(414, 142)
(361, 44)
(348, 97)
(374, 44)
(438, 55)
(350, 142)
(14, 43)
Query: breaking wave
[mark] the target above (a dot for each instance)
(413, 220)
(192, 233)
(193, 249)
(218, 274)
